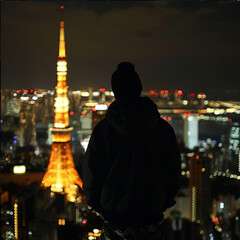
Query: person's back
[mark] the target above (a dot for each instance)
(132, 164)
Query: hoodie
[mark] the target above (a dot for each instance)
(132, 164)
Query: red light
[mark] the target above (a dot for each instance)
(93, 109)
(230, 120)
(83, 113)
(192, 94)
(35, 92)
(102, 90)
(25, 91)
(164, 118)
(176, 91)
(31, 91)
(187, 114)
(71, 113)
(169, 118)
(197, 157)
(197, 114)
(84, 222)
(166, 91)
(215, 220)
(180, 92)
(62, 7)
(162, 92)
(156, 94)
(151, 92)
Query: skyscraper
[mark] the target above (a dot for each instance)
(61, 174)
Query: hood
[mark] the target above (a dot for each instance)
(133, 119)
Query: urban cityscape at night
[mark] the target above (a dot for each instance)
(46, 126)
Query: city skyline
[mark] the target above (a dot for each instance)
(175, 45)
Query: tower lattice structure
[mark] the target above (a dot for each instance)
(61, 174)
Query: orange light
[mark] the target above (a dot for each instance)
(164, 118)
(162, 92)
(25, 91)
(197, 157)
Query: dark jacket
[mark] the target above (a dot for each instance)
(131, 168)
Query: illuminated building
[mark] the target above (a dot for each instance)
(190, 131)
(16, 219)
(196, 187)
(27, 133)
(61, 174)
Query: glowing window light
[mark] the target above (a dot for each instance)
(62, 63)
(84, 94)
(59, 125)
(58, 187)
(24, 98)
(19, 169)
(210, 110)
(96, 94)
(61, 73)
(101, 107)
(61, 68)
(61, 221)
(16, 219)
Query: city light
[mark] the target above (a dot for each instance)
(19, 169)
(101, 107)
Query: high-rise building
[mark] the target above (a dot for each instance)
(61, 174)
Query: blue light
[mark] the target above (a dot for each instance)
(15, 137)
(15, 141)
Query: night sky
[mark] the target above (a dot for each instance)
(189, 45)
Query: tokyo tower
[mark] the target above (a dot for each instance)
(61, 174)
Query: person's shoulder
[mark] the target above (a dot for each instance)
(166, 125)
(100, 125)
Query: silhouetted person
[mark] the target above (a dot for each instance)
(132, 164)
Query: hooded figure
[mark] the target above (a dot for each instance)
(132, 164)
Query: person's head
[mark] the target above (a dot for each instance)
(126, 84)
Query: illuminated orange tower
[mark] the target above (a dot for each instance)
(61, 174)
